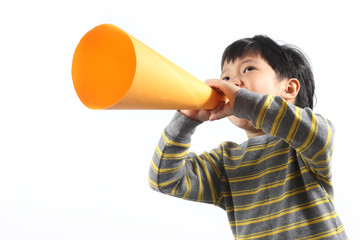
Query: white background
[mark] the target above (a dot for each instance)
(67, 172)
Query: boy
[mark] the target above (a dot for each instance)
(277, 184)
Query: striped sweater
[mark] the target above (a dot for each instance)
(274, 186)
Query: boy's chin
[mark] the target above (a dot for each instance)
(241, 123)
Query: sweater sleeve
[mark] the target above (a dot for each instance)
(175, 171)
(310, 134)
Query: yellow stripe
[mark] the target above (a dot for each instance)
(289, 227)
(279, 118)
(327, 181)
(262, 173)
(329, 155)
(311, 136)
(211, 185)
(175, 190)
(251, 149)
(323, 169)
(154, 167)
(166, 170)
(329, 137)
(318, 162)
(164, 184)
(295, 125)
(263, 111)
(287, 194)
(210, 160)
(200, 192)
(172, 156)
(267, 186)
(152, 183)
(283, 212)
(216, 153)
(262, 146)
(267, 109)
(257, 161)
(325, 178)
(324, 234)
(227, 147)
(188, 186)
(170, 142)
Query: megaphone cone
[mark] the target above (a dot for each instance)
(113, 70)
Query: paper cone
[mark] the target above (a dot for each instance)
(113, 70)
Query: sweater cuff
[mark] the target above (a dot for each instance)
(181, 127)
(246, 104)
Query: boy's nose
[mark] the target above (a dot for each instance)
(237, 82)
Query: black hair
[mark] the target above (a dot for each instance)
(286, 60)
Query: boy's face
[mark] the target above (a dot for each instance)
(254, 74)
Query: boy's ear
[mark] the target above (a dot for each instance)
(291, 90)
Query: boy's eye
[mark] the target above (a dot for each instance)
(226, 78)
(248, 69)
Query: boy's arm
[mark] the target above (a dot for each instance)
(311, 135)
(177, 172)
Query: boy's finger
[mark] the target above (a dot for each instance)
(218, 115)
(227, 88)
(221, 111)
(219, 107)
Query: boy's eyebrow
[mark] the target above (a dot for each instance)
(248, 60)
(224, 70)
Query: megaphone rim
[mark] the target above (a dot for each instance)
(103, 66)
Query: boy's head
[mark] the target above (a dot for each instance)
(286, 61)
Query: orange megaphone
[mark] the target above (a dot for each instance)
(113, 70)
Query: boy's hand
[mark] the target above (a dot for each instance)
(230, 91)
(223, 109)
(197, 115)
(202, 115)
